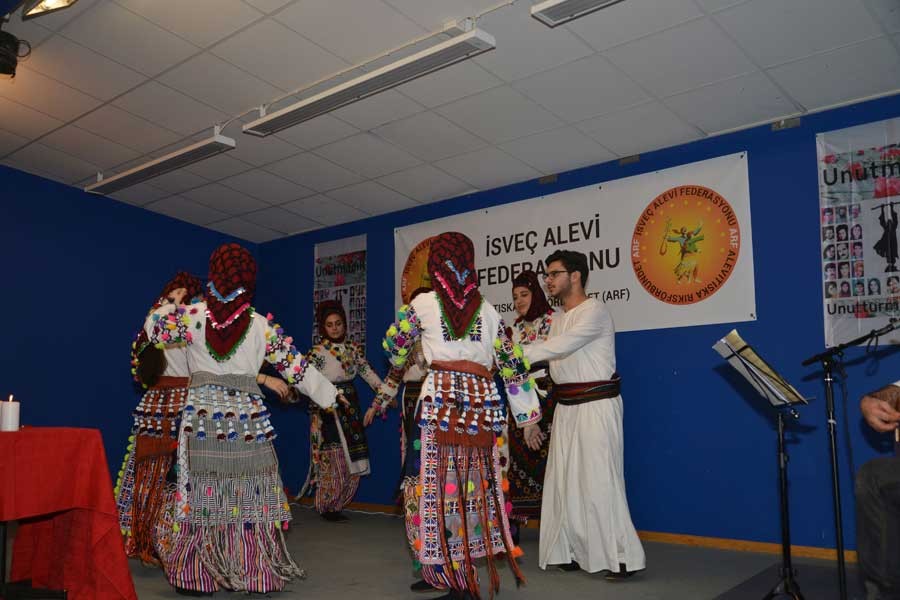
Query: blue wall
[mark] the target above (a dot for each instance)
(699, 448)
(79, 272)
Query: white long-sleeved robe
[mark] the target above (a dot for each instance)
(584, 511)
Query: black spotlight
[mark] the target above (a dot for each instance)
(11, 50)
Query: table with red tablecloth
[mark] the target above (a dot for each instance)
(55, 482)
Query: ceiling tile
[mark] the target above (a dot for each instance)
(260, 151)
(89, 147)
(526, 46)
(128, 39)
(62, 166)
(10, 141)
(47, 95)
(186, 210)
(426, 183)
(630, 20)
(201, 22)
(169, 108)
(29, 168)
(278, 55)
(31, 31)
(325, 210)
(667, 63)
(140, 194)
(267, 187)
(558, 151)
(811, 81)
(219, 167)
(641, 129)
(457, 81)
(732, 103)
(245, 230)
(368, 155)
(313, 172)
(887, 12)
(378, 109)
(124, 128)
(429, 136)
(325, 23)
(317, 132)
(372, 198)
(281, 220)
(488, 168)
(714, 5)
(217, 83)
(499, 115)
(267, 6)
(773, 31)
(582, 88)
(178, 181)
(433, 14)
(24, 121)
(224, 198)
(82, 69)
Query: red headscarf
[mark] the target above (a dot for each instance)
(326, 308)
(232, 284)
(451, 263)
(185, 280)
(539, 305)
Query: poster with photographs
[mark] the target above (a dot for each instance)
(859, 203)
(340, 274)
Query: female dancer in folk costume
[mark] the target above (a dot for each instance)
(230, 507)
(462, 514)
(141, 487)
(339, 452)
(526, 467)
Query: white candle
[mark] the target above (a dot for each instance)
(9, 415)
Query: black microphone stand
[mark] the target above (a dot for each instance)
(828, 359)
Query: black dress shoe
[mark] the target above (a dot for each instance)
(335, 517)
(568, 567)
(195, 593)
(423, 586)
(622, 575)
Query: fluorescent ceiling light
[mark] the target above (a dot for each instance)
(170, 162)
(556, 12)
(416, 65)
(38, 8)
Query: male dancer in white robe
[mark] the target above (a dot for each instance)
(585, 521)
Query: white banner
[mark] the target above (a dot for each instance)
(666, 249)
(859, 204)
(340, 274)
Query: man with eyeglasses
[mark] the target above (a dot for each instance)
(585, 521)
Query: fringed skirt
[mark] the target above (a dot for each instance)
(229, 507)
(339, 452)
(462, 514)
(140, 490)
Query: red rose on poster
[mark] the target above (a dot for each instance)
(887, 186)
(890, 153)
(857, 171)
(339, 280)
(830, 159)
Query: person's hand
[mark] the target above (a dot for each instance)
(534, 437)
(278, 386)
(343, 401)
(879, 414)
(370, 415)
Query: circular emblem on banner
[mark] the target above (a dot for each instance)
(685, 244)
(415, 271)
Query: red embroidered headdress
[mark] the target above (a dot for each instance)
(451, 263)
(232, 283)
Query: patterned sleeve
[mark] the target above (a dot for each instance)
(401, 336)
(364, 369)
(520, 387)
(172, 324)
(294, 368)
(388, 389)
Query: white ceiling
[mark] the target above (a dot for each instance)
(112, 83)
